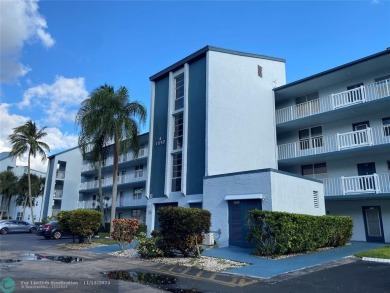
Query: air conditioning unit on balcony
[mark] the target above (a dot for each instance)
(208, 239)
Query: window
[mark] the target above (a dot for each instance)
(137, 193)
(307, 104)
(179, 92)
(386, 126)
(310, 138)
(139, 171)
(136, 214)
(141, 152)
(176, 171)
(178, 131)
(317, 171)
(19, 216)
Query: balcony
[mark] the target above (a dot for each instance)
(367, 184)
(363, 94)
(334, 143)
(87, 204)
(136, 176)
(127, 157)
(130, 202)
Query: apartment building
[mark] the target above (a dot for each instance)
(227, 134)
(335, 126)
(8, 163)
(213, 142)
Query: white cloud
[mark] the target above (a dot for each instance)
(20, 23)
(56, 140)
(59, 100)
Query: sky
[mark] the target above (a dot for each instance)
(54, 53)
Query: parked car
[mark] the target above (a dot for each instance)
(7, 226)
(52, 230)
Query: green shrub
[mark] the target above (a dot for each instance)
(182, 229)
(84, 223)
(142, 228)
(277, 233)
(124, 231)
(149, 247)
(63, 219)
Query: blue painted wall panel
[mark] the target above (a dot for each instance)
(196, 126)
(157, 178)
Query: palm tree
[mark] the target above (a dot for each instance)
(92, 141)
(8, 188)
(26, 138)
(117, 119)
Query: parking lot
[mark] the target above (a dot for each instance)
(18, 262)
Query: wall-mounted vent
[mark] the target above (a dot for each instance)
(316, 200)
(259, 71)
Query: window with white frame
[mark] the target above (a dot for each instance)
(139, 171)
(310, 138)
(179, 92)
(307, 104)
(137, 193)
(317, 171)
(386, 126)
(176, 171)
(178, 131)
(19, 216)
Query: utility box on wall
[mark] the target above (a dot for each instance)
(208, 239)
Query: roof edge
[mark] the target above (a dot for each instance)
(202, 52)
(382, 53)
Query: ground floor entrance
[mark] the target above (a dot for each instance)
(238, 224)
(373, 223)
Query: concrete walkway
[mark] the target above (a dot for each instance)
(266, 268)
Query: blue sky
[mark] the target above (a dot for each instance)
(53, 53)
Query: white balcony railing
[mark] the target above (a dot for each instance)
(375, 183)
(337, 142)
(363, 94)
(110, 160)
(122, 179)
(130, 201)
(87, 204)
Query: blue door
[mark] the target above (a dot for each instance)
(238, 227)
(373, 224)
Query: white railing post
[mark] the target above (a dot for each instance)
(376, 182)
(363, 92)
(369, 135)
(342, 184)
(337, 141)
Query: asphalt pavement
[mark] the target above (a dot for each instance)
(88, 272)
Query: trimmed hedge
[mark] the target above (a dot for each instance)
(278, 233)
(84, 223)
(182, 228)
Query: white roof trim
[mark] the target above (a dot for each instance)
(244, 196)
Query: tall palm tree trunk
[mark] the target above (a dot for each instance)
(115, 182)
(29, 189)
(101, 204)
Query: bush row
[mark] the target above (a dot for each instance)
(277, 233)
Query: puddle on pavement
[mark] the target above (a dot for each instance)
(41, 257)
(160, 281)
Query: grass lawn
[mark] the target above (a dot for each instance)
(383, 252)
(102, 239)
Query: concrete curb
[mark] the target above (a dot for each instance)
(382, 260)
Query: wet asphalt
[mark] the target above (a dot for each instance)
(33, 264)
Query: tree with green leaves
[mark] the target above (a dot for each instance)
(37, 184)
(8, 188)
(118, 120)
(27, 138)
